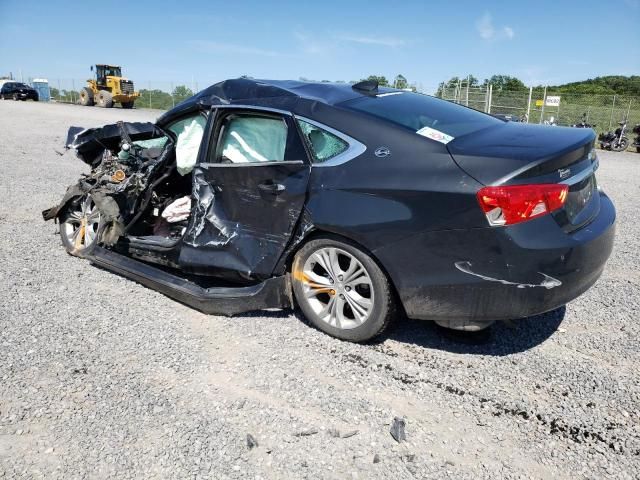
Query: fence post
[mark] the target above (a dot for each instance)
(466, 100)
(457, 100)
(490, 98)
(544, 100)
(529, 103)
(626, 119)
(149, 93)
(612, 107)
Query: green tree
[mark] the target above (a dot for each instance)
(400, 82)
(181, 93)
(505, 82)
(381, 79)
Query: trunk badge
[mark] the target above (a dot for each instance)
(564, 172)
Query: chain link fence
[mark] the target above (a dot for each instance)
(544, 105)
(535, 105)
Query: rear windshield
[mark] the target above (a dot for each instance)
(416, 111)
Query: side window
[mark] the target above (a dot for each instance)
(323, 145)
(189, 132)
(246, 138)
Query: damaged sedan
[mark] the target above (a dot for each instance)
(356, 203)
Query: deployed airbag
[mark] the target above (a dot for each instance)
(189, 134)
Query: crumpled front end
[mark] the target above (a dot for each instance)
(124, 158)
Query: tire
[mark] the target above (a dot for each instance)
(15, 97)
(80, 226)
(105, 100)
(638, 149)
(127, 104)
(355, 310)
(86, 97)
(620, 146)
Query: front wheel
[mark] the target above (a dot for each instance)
(621, 145)
(127, 104)
(80, 226)
(341, 290)
(105, 100)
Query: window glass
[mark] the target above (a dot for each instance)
(416, 111)
(249, 139)
(323, 145)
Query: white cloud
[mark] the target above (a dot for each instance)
(372, 40)
(487, 31)
(508, 32)
(221, 47)
(484, 25)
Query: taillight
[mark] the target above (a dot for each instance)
(511, 204)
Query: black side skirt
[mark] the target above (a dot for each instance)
(271, 293)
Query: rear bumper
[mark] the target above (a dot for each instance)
(499, 273)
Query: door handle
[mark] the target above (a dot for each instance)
(272, 188)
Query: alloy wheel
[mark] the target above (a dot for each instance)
(337, 288)
(81, 225)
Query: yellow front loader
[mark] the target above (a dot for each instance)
(108, 88)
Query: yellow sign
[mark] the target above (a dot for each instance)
(539, 103)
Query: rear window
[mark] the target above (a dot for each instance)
(422, 112)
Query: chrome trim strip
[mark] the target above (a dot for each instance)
(354, 149)
(578, 177)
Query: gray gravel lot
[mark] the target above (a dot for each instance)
(101, 377)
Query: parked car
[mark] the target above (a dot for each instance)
(354, 203)
(18, 91)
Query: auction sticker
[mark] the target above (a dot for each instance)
(434, 134)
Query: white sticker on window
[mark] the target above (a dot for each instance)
(434, 134)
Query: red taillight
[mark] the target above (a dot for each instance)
(511, 204)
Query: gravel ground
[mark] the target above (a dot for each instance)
(104, 378)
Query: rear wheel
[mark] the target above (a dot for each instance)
(86, 97)
(127, 104)
(80, 226)
(341, 290)
(105, 100)
(15, 97)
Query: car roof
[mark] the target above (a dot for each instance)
(282, 94)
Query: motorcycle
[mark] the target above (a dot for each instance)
(615, 141)
(636, 142)
(583, 123)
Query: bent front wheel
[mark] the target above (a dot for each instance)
(80, 226)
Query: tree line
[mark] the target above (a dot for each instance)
(606, 85)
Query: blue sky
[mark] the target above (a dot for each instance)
(206, 41)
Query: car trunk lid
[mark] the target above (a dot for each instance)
(513, 154)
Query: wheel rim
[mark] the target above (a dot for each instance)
(337, 288)
(81, 226)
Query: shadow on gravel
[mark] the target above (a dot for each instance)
(501, 338)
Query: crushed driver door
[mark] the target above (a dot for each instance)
(249, 189)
